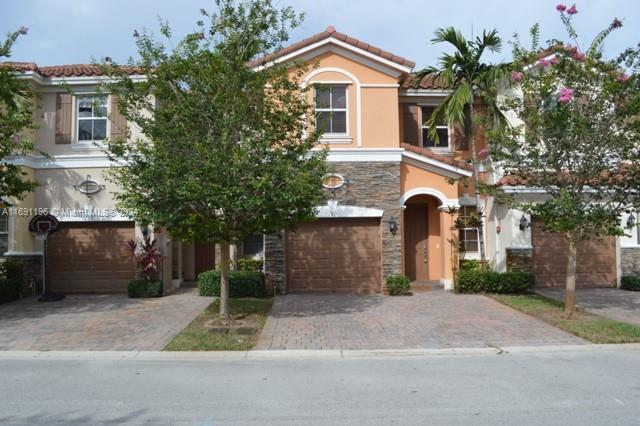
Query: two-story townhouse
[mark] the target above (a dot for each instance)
(388, 195)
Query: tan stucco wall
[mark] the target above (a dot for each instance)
(46, 131)
(56, 189)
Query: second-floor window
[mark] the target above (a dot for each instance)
(331, 109)
(92, 118)
(441, 128)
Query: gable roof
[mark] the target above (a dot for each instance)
(72, 70)
(331, 33)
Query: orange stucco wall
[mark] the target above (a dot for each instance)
(378, 107)
(412, 177)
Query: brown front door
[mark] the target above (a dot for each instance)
(335, 255)
(415, 242)
(205, 257)
(90, 258)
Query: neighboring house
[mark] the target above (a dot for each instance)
(388, 195)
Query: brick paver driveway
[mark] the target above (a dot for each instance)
(435, 319)
(620, 305)
(98, 322)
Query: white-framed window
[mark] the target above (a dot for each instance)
(91, 118)
(4, 230)
(253, 246)
(331, 109)
(441, 128)
(468, 237)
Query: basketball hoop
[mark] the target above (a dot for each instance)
(41, 236)
(41, 226)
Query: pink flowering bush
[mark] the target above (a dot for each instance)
(578, 137)
(565, 96)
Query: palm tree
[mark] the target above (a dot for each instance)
(468, 78)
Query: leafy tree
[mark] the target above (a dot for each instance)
(574, 134)
(226, 153)
(16, 118)
(471, 80)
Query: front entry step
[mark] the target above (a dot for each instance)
(418, 286)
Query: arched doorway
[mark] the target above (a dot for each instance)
(423, 239)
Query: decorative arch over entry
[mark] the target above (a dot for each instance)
(444, 201)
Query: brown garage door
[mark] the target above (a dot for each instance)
(335, 255)
(596, 266)
(90, 257)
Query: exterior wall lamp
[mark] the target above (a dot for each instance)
(524, 223)
(631, 220)
(393, 225)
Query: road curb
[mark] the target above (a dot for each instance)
(308, 354)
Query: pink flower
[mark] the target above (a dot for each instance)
(554, 60)
(616, 23)
(578, 56)
(622, 78)
(566, 95)
(543, 63)
(572, 10)
(561, 7)
(23, 30)
(570, 49)
(516, 76)
(483, 153)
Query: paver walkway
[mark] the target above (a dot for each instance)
(435, 319)
(620, 305)
(98, 322)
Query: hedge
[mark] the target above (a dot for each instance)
(11, 280)
(144, 288)
(488, 281)
(398, 285)
(630, 282)
(241, 284)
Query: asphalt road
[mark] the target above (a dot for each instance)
(582, 387)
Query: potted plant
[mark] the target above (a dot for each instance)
(147, 257)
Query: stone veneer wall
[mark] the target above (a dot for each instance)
(274, 258)
(376, 185)
(630, 260)
(370, 184)
(519, 259)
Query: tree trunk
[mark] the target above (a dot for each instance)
(570, 291)
(224, 280)
(476, 180)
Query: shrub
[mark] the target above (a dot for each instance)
(488, 281)
(249, 265)
(398, 285)
(241, 284)
(630, 282)
(11, 279)
(144, 288)
(470, 265)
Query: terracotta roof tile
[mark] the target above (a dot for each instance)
(428, 82)
(331, 32)
(71, 70)
(426, 152)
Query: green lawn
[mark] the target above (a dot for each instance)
(197, 337)
(583, 324)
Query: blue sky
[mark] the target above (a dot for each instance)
(75, 31)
